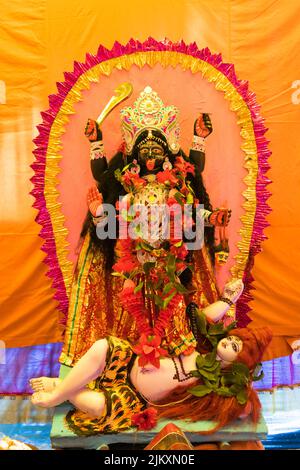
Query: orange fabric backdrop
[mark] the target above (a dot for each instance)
(40, 39)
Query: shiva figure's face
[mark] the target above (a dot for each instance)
(151, 156)
(229, 348)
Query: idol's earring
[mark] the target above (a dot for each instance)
(167, 165)
(135, 168)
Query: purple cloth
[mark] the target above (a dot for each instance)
(18, 365)
(280, 371)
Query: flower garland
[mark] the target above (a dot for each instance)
(174, 177)
(158, 276)
(149, 346)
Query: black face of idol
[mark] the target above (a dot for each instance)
(151, 156)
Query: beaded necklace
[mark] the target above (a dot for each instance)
(186, 376)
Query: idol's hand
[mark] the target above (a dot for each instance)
(233, 290)
(203, 125)
(220, 217)
(92, 131)
(94, 201)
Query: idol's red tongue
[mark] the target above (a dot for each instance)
(150, 164)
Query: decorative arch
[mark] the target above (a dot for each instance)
(49, 143)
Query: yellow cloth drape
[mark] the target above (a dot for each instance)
(260, 37)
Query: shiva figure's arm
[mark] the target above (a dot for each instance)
(216, 311)
(231, 293)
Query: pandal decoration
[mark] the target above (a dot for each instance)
(123, 57)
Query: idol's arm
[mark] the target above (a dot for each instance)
(97, 152)
(95, 205)
(216, 218)
(202, 129)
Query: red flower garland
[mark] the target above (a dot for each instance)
(148, 348)
(131, 297)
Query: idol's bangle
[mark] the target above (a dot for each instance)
(100, 219)
(198, 144)
(97, 150)
(228, 301)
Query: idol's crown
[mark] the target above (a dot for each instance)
(149, 112)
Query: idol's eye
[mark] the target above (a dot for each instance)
(158, 151)
(235, 347)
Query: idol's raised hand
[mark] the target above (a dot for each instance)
(94, 200)
(220, 217)
(93, 131)
(203, 125)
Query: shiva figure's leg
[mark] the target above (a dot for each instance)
(89, 401)
(88, 368)
(44, 384)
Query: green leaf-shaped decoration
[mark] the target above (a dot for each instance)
(158, 284)
(208, 375)
(180, 288)
(190, 267)
(235, 389)
(225, 392)
(118, 174)
(216, 329)
(210, 359)
(200, 360)
(168, 287)
(231, 326)
(179, 198)
(148, 266)
(200, 390)
(200, 321)
(189, 199)
(240, 369)
(116, 274)
(171, 262)
(258, 373)
(213, 368)
(138, 287)
(158, 301)
(256, 378)
(167, 300)
(195, 373)
(242, 397)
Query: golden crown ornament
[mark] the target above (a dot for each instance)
(149, 113)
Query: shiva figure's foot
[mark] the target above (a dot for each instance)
(44, 384)
(45, 399)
